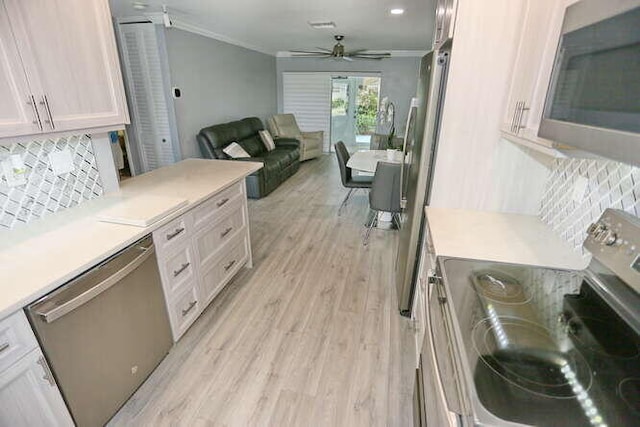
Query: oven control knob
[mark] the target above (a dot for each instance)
(610, 238)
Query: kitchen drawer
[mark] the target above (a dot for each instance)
(209, 210)
(184, 310)
(231, 258)
(173, 234)
(208, 241)
(178, 268)
(16, 339)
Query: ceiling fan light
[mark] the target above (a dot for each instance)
(397, 11)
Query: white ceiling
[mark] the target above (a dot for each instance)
(280, 25)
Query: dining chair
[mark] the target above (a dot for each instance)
(348, 180)
(385, 194)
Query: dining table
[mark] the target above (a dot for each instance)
(367, 160)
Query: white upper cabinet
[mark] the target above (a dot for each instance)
(532, 68)
(68, 54)
(17, 112)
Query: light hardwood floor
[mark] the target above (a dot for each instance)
(310, 336)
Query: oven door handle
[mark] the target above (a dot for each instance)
(65, 306)
(452, 416)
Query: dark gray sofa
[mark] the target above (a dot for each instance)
(279, 164)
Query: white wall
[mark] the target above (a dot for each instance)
(220, 82)
(399, 77)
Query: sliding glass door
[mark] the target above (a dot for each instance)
(354, 108)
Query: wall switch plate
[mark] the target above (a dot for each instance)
(14, 170)
(580, 189)
(61, 161)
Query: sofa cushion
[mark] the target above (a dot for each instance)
(253, 145)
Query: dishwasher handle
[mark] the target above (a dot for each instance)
(62, 307)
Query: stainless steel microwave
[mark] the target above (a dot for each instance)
(593, 101)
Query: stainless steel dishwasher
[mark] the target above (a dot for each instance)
(104, 332)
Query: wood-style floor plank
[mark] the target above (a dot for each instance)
(310, 336)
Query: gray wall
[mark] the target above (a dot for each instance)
(220, 82)
(399, 77)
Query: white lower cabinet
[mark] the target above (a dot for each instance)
(29, 395)
(211, 247)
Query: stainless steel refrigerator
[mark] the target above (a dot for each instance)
(420, 150)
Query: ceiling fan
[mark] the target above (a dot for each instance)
(338, 52)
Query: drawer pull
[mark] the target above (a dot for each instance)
(4, 346)
(225, 232)
(182, 268)
(175, 233)
(48, 376)
(188, 309)
(222, 202)
(228, 266)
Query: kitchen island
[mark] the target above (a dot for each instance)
(39, 257)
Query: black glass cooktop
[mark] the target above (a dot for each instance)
(542, 347)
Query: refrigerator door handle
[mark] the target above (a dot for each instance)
(408, 128)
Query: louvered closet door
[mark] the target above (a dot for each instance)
(308, 97)
(150, 131)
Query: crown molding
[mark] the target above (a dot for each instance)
(184, 24)
(180, 23)
(394, 53)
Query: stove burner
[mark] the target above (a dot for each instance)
(524, 354)
(602, 337)
(500, 288)
(629, 390)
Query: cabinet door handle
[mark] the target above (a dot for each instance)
(4, 346)
(45, 102)
(37, 121)
(515, 117)
(175, 233)
(48, 376)
(228, 266)
(523, 108)
(225, 232)
(182, 268)
(188, 309)
(222, 202)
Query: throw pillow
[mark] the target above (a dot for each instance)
(267, 140)
(235, 151)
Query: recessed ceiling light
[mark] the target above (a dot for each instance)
(397, 11)
(322, 24)
(138, 5)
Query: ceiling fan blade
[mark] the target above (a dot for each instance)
(376, 54)
(324, 49)
(354, 52)
(347, 58)
(377, 58)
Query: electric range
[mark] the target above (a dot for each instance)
(522, 345)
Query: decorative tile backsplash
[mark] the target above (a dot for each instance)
(609, 184)
(45, 192)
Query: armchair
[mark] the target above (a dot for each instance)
(285, 126)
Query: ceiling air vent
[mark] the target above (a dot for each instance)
(322, 25)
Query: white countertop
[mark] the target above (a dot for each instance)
(501, 237)
(41, 256)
